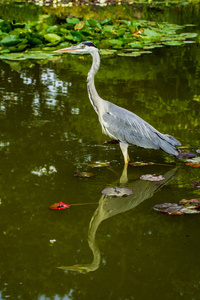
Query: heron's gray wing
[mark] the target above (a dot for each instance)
(128, 128)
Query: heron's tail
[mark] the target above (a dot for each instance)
(169, 144)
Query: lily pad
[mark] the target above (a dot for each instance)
(132, 54)
(184, 207)
(52, 38)
(190, 210)
(194, 162)
(185, 155)
(58, 206)
(196, 184)
(169, 208)
(117, 191)
(84, 174)
(10, 40)
(173, 43)
(98, 164)
(79, 26)
(152, 177)
(194, 202)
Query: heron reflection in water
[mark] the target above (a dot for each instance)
(111, 206)
(117, 122)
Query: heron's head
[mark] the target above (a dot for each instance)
(82, 48)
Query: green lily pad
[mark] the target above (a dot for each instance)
(10, 40)
(136, 45)
(107, 51)
(173, 43)
(132, 54)
(52, 38)
(73, 21)
(94, 23)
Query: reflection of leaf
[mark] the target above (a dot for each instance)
(138, 164)
(98, 164)
(72, 20)
(84, 174)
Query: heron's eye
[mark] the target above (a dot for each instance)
(81, 46)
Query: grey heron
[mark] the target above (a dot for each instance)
(117, 122)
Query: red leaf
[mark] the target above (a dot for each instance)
(60, 205)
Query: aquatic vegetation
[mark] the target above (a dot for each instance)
(152, 177)
(117, 191)
(184, 207)
(127, 38)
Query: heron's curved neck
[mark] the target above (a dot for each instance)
(93, 95)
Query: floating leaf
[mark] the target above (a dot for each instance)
(98, 164)
(117, 191)
(169, 208)
(107, 51)
(132, 54)
(194, 165)
(84, 174)
(52, 38)
(60, 205)
(79, 26)
(72, 20)
(152, 177)
(185, 207)
(173, 43)
(190, 210)
(184, 155)
(94, 23)
(194, 162)
(196, 184)
(185, 202)
(138, 164)
(10, 40)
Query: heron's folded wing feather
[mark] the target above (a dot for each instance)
(128, 128)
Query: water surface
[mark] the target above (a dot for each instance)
(112, 248)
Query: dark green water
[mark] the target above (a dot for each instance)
(48, 131)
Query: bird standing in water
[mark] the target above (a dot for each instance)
(117, 122)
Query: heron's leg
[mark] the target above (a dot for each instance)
(124, 148)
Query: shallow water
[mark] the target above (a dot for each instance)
(49, 131)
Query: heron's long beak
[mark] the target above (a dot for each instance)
(67, 50)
